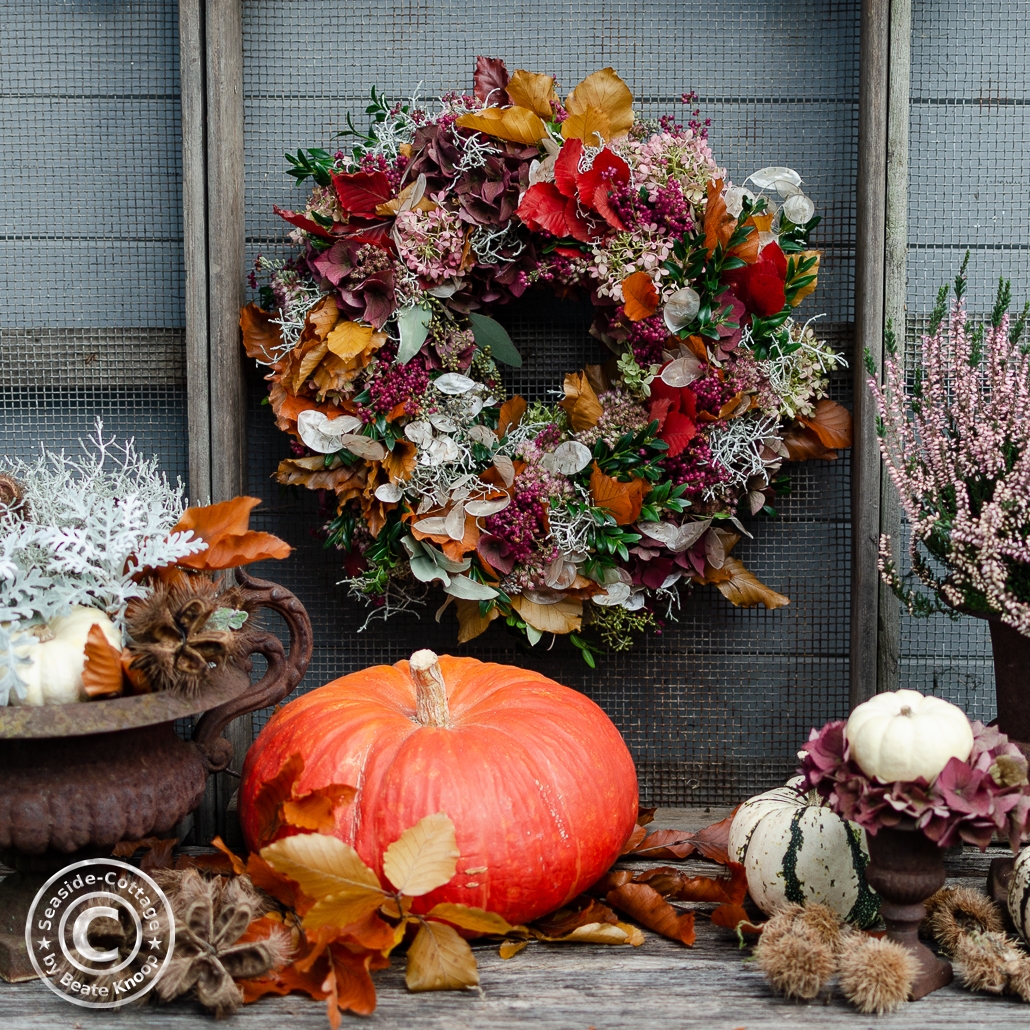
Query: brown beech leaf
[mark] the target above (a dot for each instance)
(349, 985)
(723, 890)
(316, 810)
(515, 124)
(440, 960)
(564, 617)
(532, 91)
(831, 423)
(719, 223)
(400, 462)
(622, 501)
(580, 403)
(286, 981)
(510, 948)
(274, 791)
(600, 933)
(713, 842)
(286, 891)
(128, 848)
(734, 917)
(605, 91)
(330, 872)
(635, 838)
(647, 906)
(238, 865)
(102, 673)
(349, 339)
(477, 920)
(744, 589)
(565, 920)
(666, 844)
(641, 297)
(260, 335)
(611, 879)
(470, 623)
(423, 858)
(645, 815)
(592, 126)
(511, 414)
(804, 445)
(225, 528)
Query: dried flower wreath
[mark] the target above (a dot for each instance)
(384, 363)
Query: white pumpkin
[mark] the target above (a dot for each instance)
(904, 735)
(1019, 894)
(53, 675)
(796, 850)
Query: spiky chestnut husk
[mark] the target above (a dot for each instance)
(876, 975)
(954, 912)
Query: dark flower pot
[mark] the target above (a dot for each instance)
(79, 778)
(905, 868)
(1011, 682)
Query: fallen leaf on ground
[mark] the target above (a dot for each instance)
(665, 844)
(565, 920)
(733, 917)
(440, 960)
(647, 906)
(510, 948)
(468, 917)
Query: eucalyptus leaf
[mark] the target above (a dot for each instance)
(426, 571)
(533, 635)
(469, 590)
(489, 333)
(413, 326)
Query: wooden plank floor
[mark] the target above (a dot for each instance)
(658, 986)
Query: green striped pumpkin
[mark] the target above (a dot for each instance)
(796, 850)
(1019, 894)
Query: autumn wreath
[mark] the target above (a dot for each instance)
(384, 362)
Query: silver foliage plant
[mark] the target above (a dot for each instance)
(86, 526)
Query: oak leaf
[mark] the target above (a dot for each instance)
(622, 501)
(640, 296)
(102, 673)
(533, 91)
(225, 528)
(564, 617)
(831, 423)
(514, 124)
(580, 403)
(605, 91)
(647, 906)
(424, 857)
(332, 873)
(261, 336)
(743, 588)
(440, 960)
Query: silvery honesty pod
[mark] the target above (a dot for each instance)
(389, 493)
(480, 509)
(616, 594)
(455, 522)
(734, 199)
(682, 371)
(570, 457)
(799, 209)
(681, 308)
(560, 574)
(322, 433)
(439, 451)
(454, 383)
(443, 423)
(505, 468)
(434, 526)
(482, 434)
(419, 433)
(784, 180)
(363, 447)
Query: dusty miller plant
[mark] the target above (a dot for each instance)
(85, 527)
(955, 436)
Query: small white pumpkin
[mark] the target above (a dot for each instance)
(53, 675)
(904, 735)
(1019, 894)
(796, 850)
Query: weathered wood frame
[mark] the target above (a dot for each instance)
(211, 40)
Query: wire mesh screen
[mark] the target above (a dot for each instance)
(969, 172)
(718, 703)
(91, 251)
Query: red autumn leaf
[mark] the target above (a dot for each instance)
(225, 529)
(831, 423)
(765, 294)
(302, 222)
(102, 673)
(677, 431)
(544, 209)
(647, 906)
(606, 172)
(734, 917)
(640, 296)
(622, 501)
(260, 335)
(566, 167)
(360, 193)
(490, 81)
(565, 920)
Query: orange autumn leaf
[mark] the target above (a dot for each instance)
(274, 791)
(511, 414)
(316, 810)
(282, 888)
(648, 907)
(719, 223)
(831, 423)
(640, 296)
(349, 985)
(713, 842)
(622, 501)
(135, 680)
(224, 527)
(803, 445)
(261, 336)
(747, 251)
(582, 912)
(730, 890)
(515, 124)
(532, 91)
(734, 917)
(580, 403)
(102, 673)
(400, 462)
(238, 866)
(349, 339)
(743, 588)
(311, 473)
(606, 92)
(592, 126)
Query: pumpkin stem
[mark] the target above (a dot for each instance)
(430, 689)
(905, 710)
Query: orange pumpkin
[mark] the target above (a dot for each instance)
(537, 781)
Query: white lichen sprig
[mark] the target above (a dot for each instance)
(739, 445)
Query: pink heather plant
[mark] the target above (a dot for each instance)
(955, 437)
